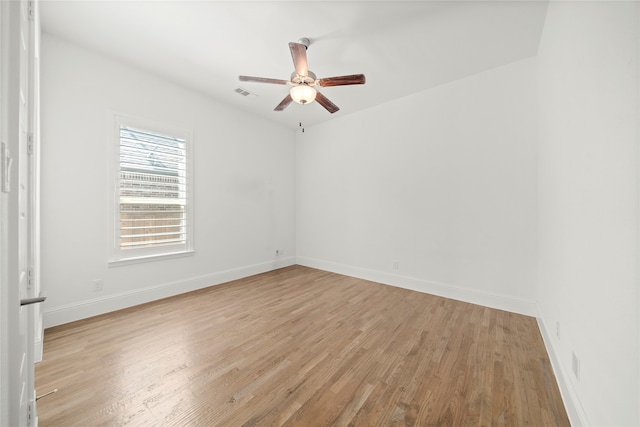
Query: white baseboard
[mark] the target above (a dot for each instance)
(499, 302)
(71, 312)
(575, 411)
(54, 316)
(573, 406)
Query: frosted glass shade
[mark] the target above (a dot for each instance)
(303, 94)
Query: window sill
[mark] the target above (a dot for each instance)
(149, 258)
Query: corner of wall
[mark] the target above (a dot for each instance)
(572, 403)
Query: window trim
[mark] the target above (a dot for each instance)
(117, 256)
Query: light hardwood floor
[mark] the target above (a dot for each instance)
(299, 347)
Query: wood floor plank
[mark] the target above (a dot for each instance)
(299, 347)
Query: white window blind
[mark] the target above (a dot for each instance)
(152, 216)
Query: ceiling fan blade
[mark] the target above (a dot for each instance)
(263, 80)
(353, 79)
(284, 103)
(299, 55)
(324, 101)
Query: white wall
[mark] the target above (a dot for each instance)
(443, 182)
(514, 186)
(588, 205)
(244, 186)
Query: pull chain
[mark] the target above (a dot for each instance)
(300, 125)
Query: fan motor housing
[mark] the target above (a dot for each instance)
(309, 79)
(305, 41)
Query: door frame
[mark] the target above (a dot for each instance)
(10, 361)
(4, 297)
(34, 176)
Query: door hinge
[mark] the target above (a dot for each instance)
(5, 166)
(31, 10)
(29, 277)
(29, 413)
(30, 143)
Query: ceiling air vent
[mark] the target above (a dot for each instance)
(243, 92)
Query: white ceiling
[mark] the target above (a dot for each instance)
(401, 46)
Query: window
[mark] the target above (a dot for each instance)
(152, 209)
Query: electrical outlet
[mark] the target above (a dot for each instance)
(279, 252)
(97, 285)
(395, 265)
(575, 365)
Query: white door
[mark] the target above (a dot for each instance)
(26, 328)
(18, 400)
(22, 188)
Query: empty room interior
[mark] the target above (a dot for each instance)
(337, 213)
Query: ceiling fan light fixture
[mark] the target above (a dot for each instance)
(303, 93)
(303, 81)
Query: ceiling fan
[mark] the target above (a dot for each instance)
(304, 82)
